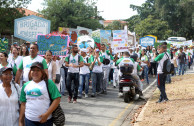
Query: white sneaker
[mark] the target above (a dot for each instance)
(120, 94)
(86, 95)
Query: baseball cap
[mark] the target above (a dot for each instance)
(84, 50)
(4, 69)
(37, 64)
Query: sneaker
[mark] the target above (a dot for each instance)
(74, 101)
(105, 92)
(69, 99)
(114, 86)
(79, 96)
(120, 94)
(142, 97)
(142, 79)
(86, 95)
(93, 95)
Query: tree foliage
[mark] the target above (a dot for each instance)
(177, 14)
(151, 26)
(9, 11)
(71, 13)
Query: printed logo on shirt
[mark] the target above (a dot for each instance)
(34, 92)
(126, 61)
(28, 65)
(96, 63)
(73, 61)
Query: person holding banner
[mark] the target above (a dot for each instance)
(74, 61)
(107, 56)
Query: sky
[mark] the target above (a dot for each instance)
(109, 9)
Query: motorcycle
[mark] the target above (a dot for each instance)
(127, 84)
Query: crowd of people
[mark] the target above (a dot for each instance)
(24, 74)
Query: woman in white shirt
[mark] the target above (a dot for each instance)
(9, 99)
(36, 106)
(16, 59)
(52, 68)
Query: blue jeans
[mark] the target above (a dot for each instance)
(175, 71)
(168, 78)
(186, 64)
(161, 78)
(181, 68)
(146, 70)
(75, 78)
(33, 123)
(96, 82)
(84, 79)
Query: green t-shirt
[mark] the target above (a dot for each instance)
(91, 59)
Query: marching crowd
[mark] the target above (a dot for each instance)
(29, 82)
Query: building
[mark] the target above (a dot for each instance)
(107, 22)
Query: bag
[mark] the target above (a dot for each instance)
(106, 61)
(168, 67)
(58, 115)
(58, 78)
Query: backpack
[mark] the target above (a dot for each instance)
(168, 67)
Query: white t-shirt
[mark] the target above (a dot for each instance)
(144, 58)
(73, 60)
(105, 56)
(16, 61)
(59, 64)
(9, 107)
(85, 69)
(161, 58)
(38, 100)
(26, 64)
(97, 68)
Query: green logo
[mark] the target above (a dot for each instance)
(34, 92)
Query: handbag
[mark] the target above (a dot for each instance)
(106, 61)
(58, 78)
(58, 115)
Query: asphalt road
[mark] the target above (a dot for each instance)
(103, 110)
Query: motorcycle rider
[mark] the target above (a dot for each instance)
(127, 60)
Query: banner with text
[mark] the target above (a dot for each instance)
(120, 43)
(147, 41)
(57, 44)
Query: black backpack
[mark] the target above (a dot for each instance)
(168, 67)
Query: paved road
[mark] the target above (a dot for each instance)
(103, 110)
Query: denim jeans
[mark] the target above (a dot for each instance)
(75, 78)
(186, 65)
(181, 68)
(175, 71)
(96, 82)
(168, 78)
(161, 78)
(84, 80)
(146, 70)
(33, 123)
(105, 78)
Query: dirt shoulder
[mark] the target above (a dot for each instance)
(178, 111)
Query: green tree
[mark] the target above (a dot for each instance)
(132, 21)
(71, 13)
(9, 11)
(154, 27)
(115, 25)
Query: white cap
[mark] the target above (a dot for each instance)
(84, 50)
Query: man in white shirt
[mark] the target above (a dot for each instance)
(27, 62)
(74, 61)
